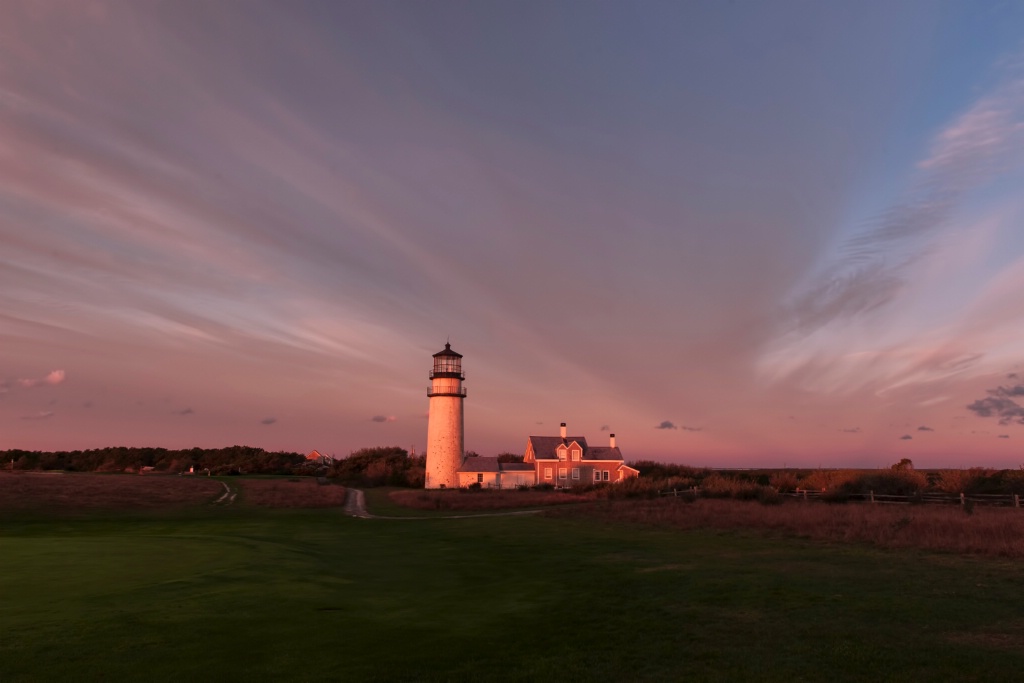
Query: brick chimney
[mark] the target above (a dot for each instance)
(563, 430)
(611, 440)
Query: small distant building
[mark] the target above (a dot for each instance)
(319, 458)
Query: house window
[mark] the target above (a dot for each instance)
(561, 473)
(575, 472)
(606, 475)
(561, 454)
(480, 478)
(575, 454)
(547, 472)
(597, 475)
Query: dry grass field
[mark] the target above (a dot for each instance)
(294, 492)
(65, 492)
(465, 501)
(989, 531)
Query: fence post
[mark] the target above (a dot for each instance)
(872, 497)
(962, 500)
(805, 494)
(1016, 500)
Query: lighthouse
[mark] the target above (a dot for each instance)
(445, 430)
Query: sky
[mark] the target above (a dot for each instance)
(735, 234)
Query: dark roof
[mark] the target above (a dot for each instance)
(516, 467)
(544, 446)
(480, 463)
(447, 351)
(603, 453)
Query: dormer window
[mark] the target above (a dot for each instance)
(575, 454)
(561, 453)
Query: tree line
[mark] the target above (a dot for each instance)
(229, 460)
(378, 466)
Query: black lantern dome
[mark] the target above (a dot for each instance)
(447, 363)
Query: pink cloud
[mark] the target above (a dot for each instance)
(55, 377)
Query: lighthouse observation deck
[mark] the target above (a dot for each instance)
(442, 387)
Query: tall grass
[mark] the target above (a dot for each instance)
(462, 500)
(61, 492)
(296, 492)
(988, 531)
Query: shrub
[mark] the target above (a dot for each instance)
(721, 486)
(959, 481)
(768, 495)
(639, 487)
(783, 482)
(823, 480)
(900, 482)
(839, 495)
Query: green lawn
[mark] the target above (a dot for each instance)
(241, 594)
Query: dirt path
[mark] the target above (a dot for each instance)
(228, 497)
(355, 506)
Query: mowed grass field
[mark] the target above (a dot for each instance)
(246, 592)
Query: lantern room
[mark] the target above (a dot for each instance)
(447, 363)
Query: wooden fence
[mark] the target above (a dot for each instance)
(930, 498)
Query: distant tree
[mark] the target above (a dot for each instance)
(510, 457)
(381, 466)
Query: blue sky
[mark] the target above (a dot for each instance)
(731, 233)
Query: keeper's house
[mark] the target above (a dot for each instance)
(568, 460)
(561, 461)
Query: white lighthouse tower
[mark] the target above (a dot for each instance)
(445, 431)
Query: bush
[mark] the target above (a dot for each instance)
(388, 466)
(784, 482)
(721, 486)
(634, 488)
(823, 480)
(839, 495)
(889, 482)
